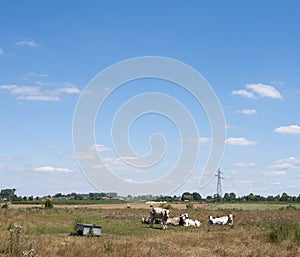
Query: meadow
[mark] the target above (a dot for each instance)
(258, 230)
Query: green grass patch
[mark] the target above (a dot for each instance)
(285, 231)
(260, 206)
(72, 202)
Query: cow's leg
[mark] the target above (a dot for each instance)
(164, 225)
(151, 222)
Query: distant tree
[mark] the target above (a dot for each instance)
(196, 196)
(8, 194)
(58, 195)
(285, 197)
(186, 196)
(209, 198)
(277, 198)
(232, 197)
(226, 197)
(298, 198)
(217, 198)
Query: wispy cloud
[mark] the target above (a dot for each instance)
(243, 92)
(52, 169)
(1, 52)
(90, 152)
(244, 164)
(70, 90)
(200, 140)
(247, 111)
(274, 173)
(257, 91)
(239, 141)
(292, 129)
(288, 163)
(38, 93)
(27, 42)
(40, 98)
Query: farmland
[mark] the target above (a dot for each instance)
(48, 231)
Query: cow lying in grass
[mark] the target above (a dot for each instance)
(221, 220)
(159, 214)
(187, 222)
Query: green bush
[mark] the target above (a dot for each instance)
(166, 206)
(190, 206)
(285, 231)
(4, 206)
(48, 204)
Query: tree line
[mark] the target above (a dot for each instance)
(10, 195)
(231, 197)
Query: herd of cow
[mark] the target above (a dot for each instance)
(162, 216)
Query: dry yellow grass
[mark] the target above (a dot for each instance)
(47, 231)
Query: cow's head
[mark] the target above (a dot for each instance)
(230, 219)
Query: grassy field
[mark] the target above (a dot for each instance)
(259, 230)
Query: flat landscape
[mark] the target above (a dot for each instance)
(259, 229)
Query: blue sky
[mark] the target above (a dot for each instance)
(247, 50)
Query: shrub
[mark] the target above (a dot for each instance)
(190, 206)
(4, 206)
(285, 231)
(75, 232)
(291, 208)
(109, 246)
(166, 206)
(48, 204)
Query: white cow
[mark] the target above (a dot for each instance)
(145, 220)
(159, 214)
(192, 223)
(221, 220)
(186, 222)
(182, 218)
(173, 221)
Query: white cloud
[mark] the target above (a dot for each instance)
(200, 141)
(240, 141)
(52, 169)
(1, 51)
(99, 148)
(27, 42)
(275, 173)
(46, 98)
(243, 93)
(247, 111)
(264, 90)
(292, 129)
(20, 90)
(70, 90)
(90, 152)
(288, 163)
(244, 164)
(257, 91)
(38, 93)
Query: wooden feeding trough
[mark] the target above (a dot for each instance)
(88, 229)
